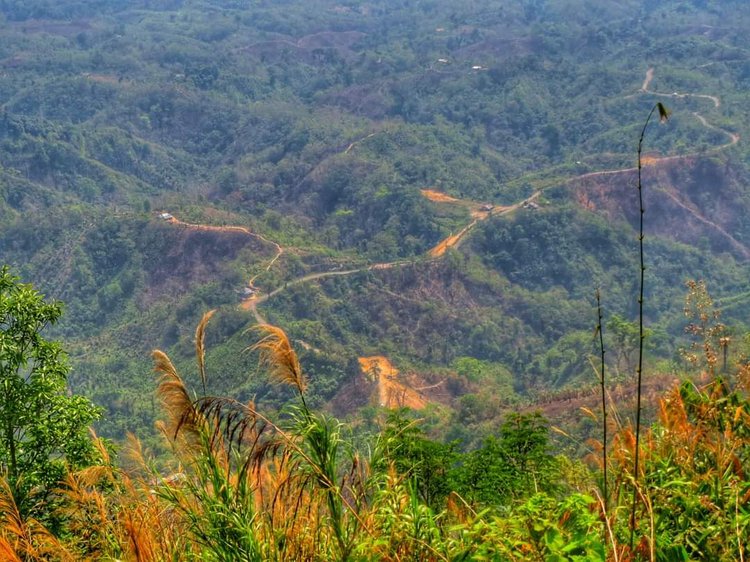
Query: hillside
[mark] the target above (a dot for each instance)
(442, 185)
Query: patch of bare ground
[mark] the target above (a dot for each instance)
(391, 392)
(438, 196)
(430, 286)
(688, 200)
(362, 100)
(186, 257)
(106, 79)
(380, 383)
(353, 395)
(495, 48)
(566, 409)
(343, 40)
(15, 60)
(316, 47)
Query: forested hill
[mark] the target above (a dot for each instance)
(433, 188)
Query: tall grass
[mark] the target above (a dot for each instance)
(240, 485)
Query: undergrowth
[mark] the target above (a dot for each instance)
(240, 485)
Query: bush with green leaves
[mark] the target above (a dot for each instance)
(43, 428)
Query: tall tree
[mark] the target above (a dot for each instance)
(43, 427)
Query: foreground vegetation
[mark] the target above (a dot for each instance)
(243, 484)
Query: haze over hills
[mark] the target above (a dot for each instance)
(434, 188)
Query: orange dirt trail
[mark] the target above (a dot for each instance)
(248, 303)
(450, 242)
(438, 196)
(211, 228)
(478, 212)
(391, 393)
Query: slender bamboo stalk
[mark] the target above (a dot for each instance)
(663, 116)
(600, 330)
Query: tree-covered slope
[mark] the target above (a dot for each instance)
(314, 128)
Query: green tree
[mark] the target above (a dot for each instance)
(512, 467)
(427, 462)
(625, 336)
(43, 429)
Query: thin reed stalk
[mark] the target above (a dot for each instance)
(602, 380)
(663, 116)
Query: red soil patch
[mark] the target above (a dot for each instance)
(438, 196)
(391, 393)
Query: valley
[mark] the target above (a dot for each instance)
(324, 280)
(390, 391)
(424, 196)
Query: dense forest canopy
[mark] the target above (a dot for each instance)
(479, 233)
(313, 155)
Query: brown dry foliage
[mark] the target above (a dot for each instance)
(279, 358)
(26, 539)
(200, 349)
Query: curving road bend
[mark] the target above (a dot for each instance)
(478, 212)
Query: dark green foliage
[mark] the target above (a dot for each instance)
(510, 467)
(43, 428)
(424, 461)
(503, 471)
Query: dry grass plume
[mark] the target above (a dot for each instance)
(278, 357)
(200, 350)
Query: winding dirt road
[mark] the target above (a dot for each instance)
(251, 304)
(210, 227)
(647, 80)
(478, 212)
(648, 161)
(241, 230)
(734, 138)
(674, 95)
